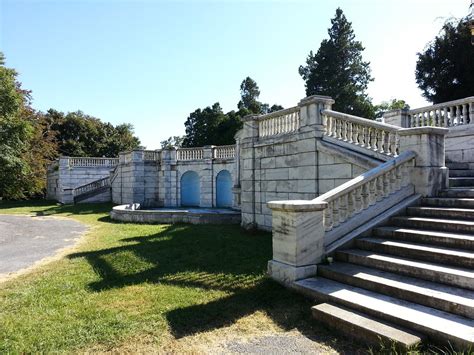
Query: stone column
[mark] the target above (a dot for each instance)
(236, 190)
(168, 184)
(310, 111)
(429, 174)
(397, 118)
(138, 176)
(249, 135)
(207, 177)
(298, 239)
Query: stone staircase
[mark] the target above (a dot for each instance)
(94, 189)
(409, 280)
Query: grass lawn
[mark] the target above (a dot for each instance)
(134, 287)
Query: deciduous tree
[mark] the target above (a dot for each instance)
(445, 69)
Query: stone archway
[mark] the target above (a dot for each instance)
(224, 189)
(190, 189)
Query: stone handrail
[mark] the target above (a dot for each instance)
(91, 162)
(279, 122)
(446, 114)
(224, 152)
(92, 186)
(375, 136)
(151, 155)
(351, 198)
(190, 154)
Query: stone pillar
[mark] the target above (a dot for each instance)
(236, 190)
(397, 117)
(298, 239)
(429, 174)
(168, 182)
(138, 176)
(310, 111)
(207, 178)
(249, 135)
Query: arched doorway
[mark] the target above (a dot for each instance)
(190, 189)
(224, 189)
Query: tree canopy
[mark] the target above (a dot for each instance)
(393, 104)
(29, 140)
(444, 69)
(78, 134)
(211, 126)
(338, 70)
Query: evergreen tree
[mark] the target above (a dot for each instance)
(445, 69)
(338, 70)
(249, 93)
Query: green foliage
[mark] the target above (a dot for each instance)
(338, 70)
(78, 134)
(172, 142)
(385, 106)
(15, 132)
(210, 126)
(445, 70)
(249, 93)
(29, 140)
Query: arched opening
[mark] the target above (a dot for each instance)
(224, 189)
(190, 189)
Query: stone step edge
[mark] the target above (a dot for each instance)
(427, 293)
(439, 326)
(365, 328)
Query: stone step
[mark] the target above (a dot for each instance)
(460, 173)
(364, 328)
(451, 240)
(461, 181)
(442, 212)
(457, 166)
(457, 192)
(442, 255)
(438, 325)
(449, 275)
(438, 224)
(446, 298)
(448, 202)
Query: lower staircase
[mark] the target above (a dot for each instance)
(92, 189)
(407, 281)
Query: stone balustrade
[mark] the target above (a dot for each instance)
(90, 162)
(447, 114)
(151, 155)
(349, 199)
(80, 190)
(279, 122)
(364, 133)
(305, 231)
(224, 152)
(190, 154)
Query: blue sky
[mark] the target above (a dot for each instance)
(151, 63)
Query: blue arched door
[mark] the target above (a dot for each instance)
(224, 189)
(190, 189)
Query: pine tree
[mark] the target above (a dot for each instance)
(338, 70)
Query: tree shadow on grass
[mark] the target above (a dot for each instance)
(220, 258)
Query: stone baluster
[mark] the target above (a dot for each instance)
(379, 188)
(343, 208)
(365, 196)
(372, 192)
(351, 204)
(328, 222)
(335, 213)
(358, 200)
(471, 113)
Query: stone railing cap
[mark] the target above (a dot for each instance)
(297, 205)
(316, 99)
(423, 130)
(395, 112)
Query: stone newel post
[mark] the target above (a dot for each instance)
(310, 110)
(397, 118)
(298, 240)
(429, 174)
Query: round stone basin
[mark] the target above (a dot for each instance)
(170, 215)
